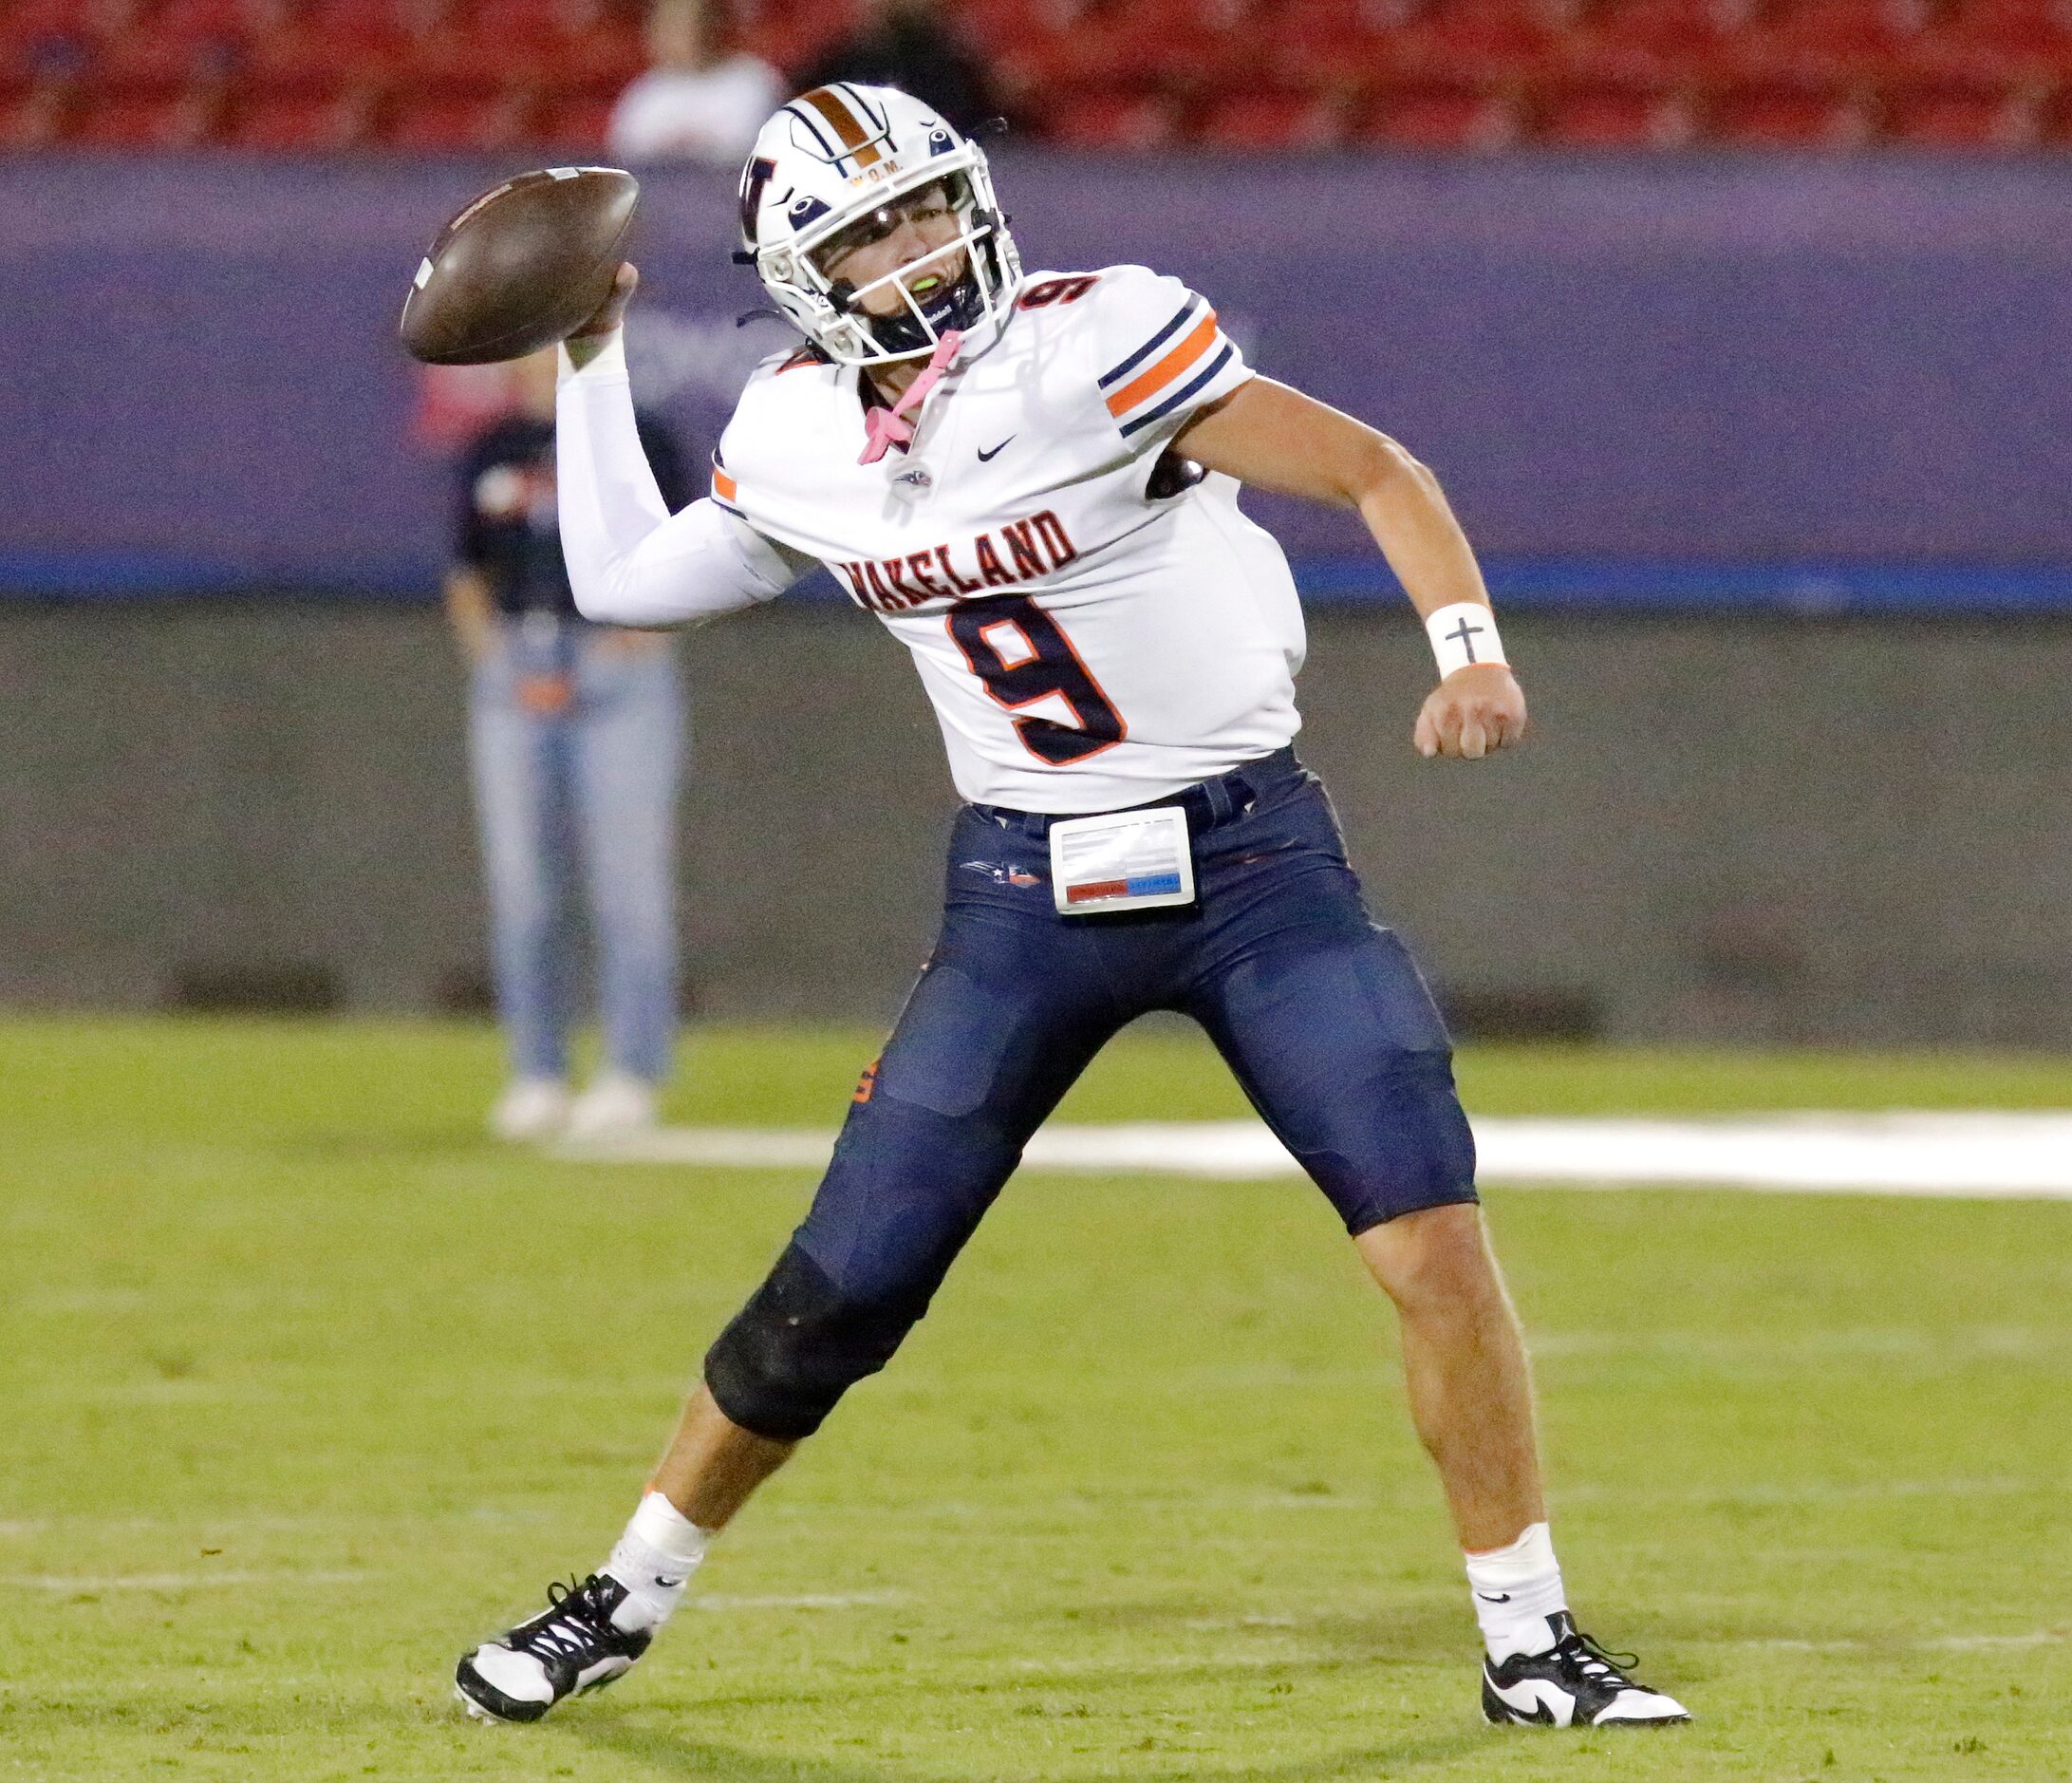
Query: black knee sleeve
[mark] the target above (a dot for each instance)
(797, 1347)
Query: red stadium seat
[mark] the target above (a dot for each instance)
(451, 53)
(153, 120)
(1267, 121)
(1182, 45)
(308, 117)
(575, 123)
(1254, 76)
(40, 114)
(2054, 120)
(1609, 117)
(132, 67)
(1478, 42)
(1815, 40)
(1438, 118)
(1998, 42)
(342, 40)
(1963, 117)
(181, 39)
(565, 42)
(199, 21)
(446, 119)
(32, 21)
(1114, 119)
(490, 57)
(324, 43)
(1042, 67)
(1651, 42)
(1788, 117)
(792, 35)
(993, 25)
(89, 24)
(1330, 46)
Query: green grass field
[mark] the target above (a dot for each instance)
(306, 1386)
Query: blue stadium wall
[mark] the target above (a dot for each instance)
(1828, 383)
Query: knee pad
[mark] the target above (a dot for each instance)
(798, 1345)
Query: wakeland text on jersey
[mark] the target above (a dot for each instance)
(1028, 548)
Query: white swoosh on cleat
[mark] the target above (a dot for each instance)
(1536, 1697)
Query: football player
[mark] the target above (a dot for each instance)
(1030, 480)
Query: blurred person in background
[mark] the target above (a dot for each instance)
(698, 102)
(575, 732)
(909, 45)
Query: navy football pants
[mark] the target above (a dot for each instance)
(1318, 1011)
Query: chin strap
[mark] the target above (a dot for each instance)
(888, 427)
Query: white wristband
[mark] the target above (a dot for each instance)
(1462, 634)
(607, 363)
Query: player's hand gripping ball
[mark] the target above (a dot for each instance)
(522, 267)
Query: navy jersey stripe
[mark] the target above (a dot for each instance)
(1179, 396)
(1152, 344)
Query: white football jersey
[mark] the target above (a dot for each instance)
(1097, 624)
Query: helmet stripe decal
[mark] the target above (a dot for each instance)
(835, 110)
(819, 135)
(875, 121)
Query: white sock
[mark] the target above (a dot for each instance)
(1516, 1589)
(654, 1560)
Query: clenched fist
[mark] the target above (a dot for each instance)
(1472, 711)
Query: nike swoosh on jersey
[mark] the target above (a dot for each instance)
(987, 457)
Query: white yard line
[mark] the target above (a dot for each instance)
(1981, 1156)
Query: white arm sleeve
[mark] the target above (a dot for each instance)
(632, 562)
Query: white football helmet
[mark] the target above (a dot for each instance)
(826, 161)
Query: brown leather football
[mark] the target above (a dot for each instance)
(522, 267)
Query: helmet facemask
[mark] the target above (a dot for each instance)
(829, 311)
(957, 301)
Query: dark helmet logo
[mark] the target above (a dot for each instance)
(754, 177)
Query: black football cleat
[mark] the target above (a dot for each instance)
(1575, 1683)
(571, 1646)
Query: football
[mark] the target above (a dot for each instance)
(521, 266)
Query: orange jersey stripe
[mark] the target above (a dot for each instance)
(1150, 382)
(723, 485)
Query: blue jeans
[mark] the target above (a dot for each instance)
(575, 744)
